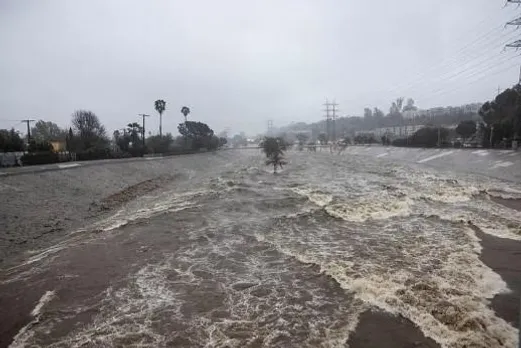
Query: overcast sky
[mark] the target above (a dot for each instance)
(238, 63)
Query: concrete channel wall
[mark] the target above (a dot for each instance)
(504, 164)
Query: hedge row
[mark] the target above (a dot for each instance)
(39, 158)
(32, 159)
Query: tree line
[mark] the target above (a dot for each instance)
(87, 139)
(502, 118)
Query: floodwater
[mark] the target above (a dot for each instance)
(234, 256)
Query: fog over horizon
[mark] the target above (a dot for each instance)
(238, 64)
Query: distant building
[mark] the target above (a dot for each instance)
(398, 131)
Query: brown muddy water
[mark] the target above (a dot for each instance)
(229, 255)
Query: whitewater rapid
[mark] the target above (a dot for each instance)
(235, 256)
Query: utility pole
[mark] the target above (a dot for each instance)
(28, 129)
(143, 130)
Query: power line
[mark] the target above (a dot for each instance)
(471, 71)
(472, 81)
(481, 58)
(487, 73)
(454, 56)
(483, 40)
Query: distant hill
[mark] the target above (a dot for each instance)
(375, 119)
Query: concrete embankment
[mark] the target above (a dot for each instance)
(502, 164)
(43, 203)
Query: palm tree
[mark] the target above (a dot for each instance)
(274, 149)
(160, 106)
(185, 110)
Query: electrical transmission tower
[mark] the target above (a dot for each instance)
(270, 127)
(331, 115)
(517, 22)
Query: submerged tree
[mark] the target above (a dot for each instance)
(322, 138)
(302, 138)
(274, 149)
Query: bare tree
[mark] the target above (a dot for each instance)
(89, 129)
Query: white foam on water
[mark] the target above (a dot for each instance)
(463, 200)
(46, 298)
(257, 303)
(25, 334)
(5, 187)
(317, 197)
(69, 165)
(382, 155)
(46, 254)
(503, 192)
(502, 164)
(425, 269)
(168, 202)
(375, 208)
(448, 302)
(127, 312)
(359, 209)
(448, 193)
(481, 152)
(491, 218)
(443, 154)
(150, 206)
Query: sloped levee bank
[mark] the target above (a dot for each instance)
(336, 250)
(38, 208)
(503, 164)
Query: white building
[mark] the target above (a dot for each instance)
(398, 131)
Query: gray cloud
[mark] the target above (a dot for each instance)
(239, 63)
